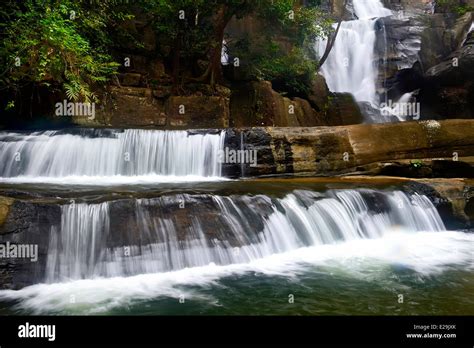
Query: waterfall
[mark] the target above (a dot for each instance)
(77, 252)
(54, 155)
(223, 230)
(350, 65)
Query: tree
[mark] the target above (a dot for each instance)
(283, 50)
(56, 44)
(332, 39)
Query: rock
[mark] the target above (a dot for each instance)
(397, 47)
(441, 36)
(149, 38)
(427, 168)
(156, 68)
(319, 93)
(338, 9)
(447, 90)
(130, 79)
(411, 46)
(139, 27)
(198, 111)
(28, 222)
(5, 204)
(338, 108)
(257, 104)
(127, 107)
(162, 92)
(440, 74)
(150, 68)
(343, 110)
(345, 149)
(451, 197)
(411, 6)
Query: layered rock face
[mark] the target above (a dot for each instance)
(356, 148)
(247, 104)
(146, 107)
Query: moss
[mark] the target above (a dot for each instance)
(5, 204)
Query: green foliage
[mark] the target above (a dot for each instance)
(291, 72)
(284, 53)
(10, 105)
(416, 163)
(453, 6)
(66, 44)
(50, 43)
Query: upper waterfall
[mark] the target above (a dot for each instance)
(49, 156)
(367, 9)
(350, 65)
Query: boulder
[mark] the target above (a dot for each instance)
(257, 104)
(343, 110)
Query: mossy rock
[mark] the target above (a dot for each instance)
(5, 204)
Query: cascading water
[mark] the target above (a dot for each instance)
(350, 65)
(225, 230)
(243, 254)
(60, 157)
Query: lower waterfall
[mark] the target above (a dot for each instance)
(225, 230)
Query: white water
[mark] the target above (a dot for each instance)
(357, 232)
(427, 253)
(350, 65)
(118, 157)
(398, 109)
(243, 229)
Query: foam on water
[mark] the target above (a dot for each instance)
(115, 180)
(427, 253)
(222, 229)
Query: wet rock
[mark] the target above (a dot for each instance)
(452, 199)
(27, 222)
